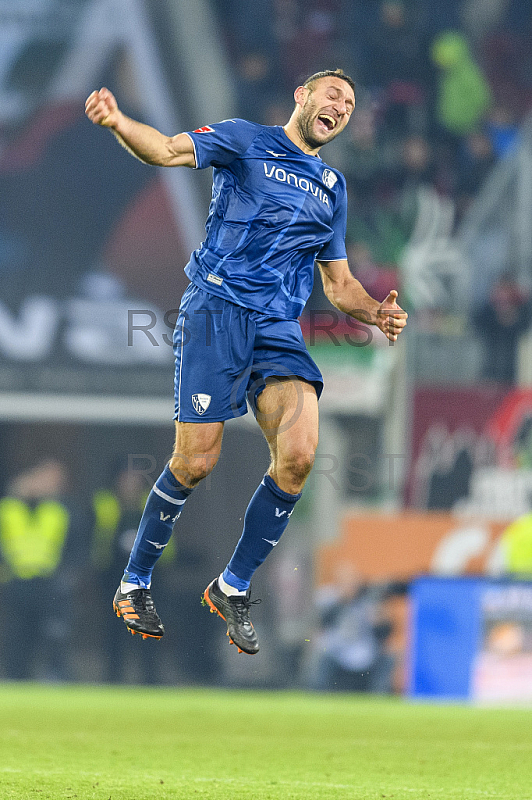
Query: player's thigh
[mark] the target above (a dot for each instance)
(197, 438)
(287, 412)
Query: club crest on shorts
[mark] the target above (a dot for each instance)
(201, 402)
(329, 178)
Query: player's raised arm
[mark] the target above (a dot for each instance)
(142, 141)
(348, 295)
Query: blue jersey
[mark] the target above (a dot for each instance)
(274, 211)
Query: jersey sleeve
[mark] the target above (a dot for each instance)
(218, 144)
(335, 250)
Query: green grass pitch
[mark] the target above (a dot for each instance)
(144, 744)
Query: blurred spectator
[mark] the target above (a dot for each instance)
(503, 131)
(516, 548)
(464, 95)
(399, 66)
(247, 27)
(42, 536)
(507, 59)
(500, 323)
(481, 16)
(349, 650)
(396, 47)
(435, 16)
(417, 160)
(377, 279)
(255, 84)
(417, 168)
(377, 223)
(311, 35)
(475, 162)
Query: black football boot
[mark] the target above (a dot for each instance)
(234, 609)
(137, 609)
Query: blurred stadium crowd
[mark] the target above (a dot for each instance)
(441, 91)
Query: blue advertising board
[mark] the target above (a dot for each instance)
(471, 639)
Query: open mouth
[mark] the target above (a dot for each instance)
(327, 121)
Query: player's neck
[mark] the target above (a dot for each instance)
(293, 134)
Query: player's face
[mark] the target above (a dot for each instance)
(326, 111)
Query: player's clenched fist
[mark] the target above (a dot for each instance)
(102, 108)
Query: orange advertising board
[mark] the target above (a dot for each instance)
(398, 546)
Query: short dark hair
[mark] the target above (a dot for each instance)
(328, 73)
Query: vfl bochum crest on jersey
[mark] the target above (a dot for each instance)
(201, 402)
(329, 178)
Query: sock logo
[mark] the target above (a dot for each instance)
(156, 545)
(165, 517)
(279, 513)
(273, 542)
(201, 402)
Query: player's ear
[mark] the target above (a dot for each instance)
(300, 95)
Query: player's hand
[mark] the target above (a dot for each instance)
(391, 319)
(102, 109)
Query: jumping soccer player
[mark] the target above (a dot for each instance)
(276, 209)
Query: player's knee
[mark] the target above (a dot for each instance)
(190, 471)
(298, 465)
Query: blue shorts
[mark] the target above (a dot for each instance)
(224, 353)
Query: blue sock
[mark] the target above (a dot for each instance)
(163, 507)
(266, 518)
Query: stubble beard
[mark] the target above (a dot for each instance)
(305, 122)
